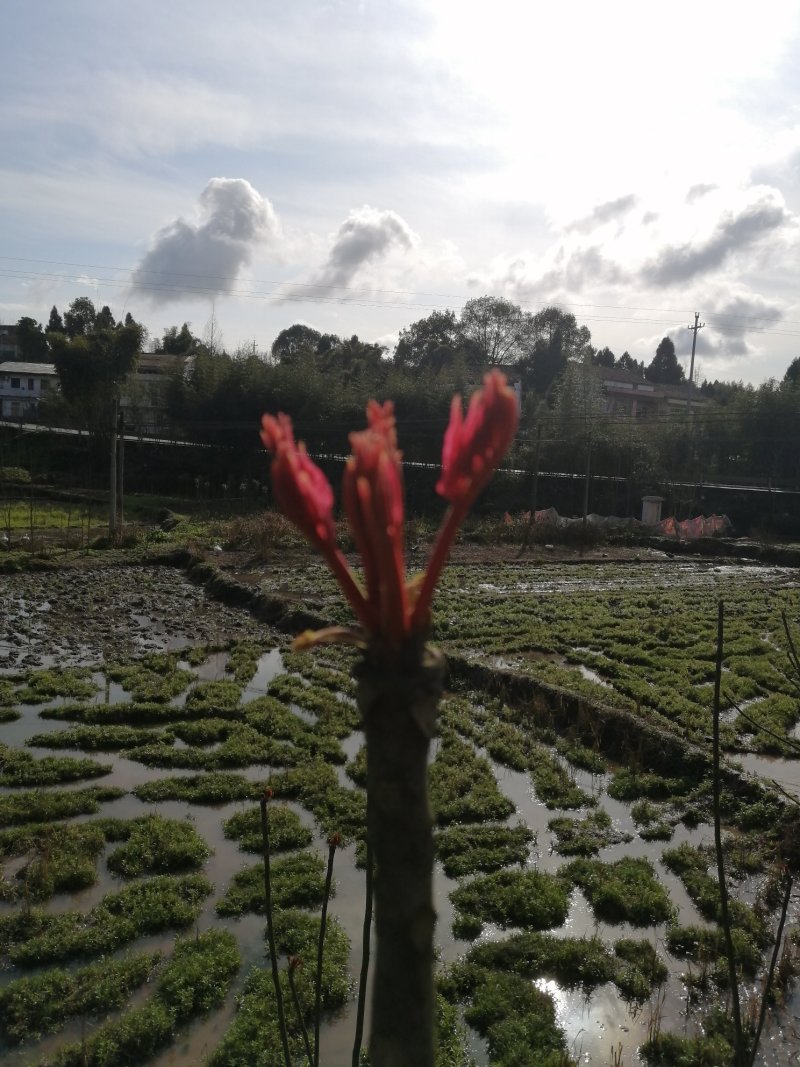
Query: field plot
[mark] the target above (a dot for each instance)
(578, 908)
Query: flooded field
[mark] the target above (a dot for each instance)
(153, 716)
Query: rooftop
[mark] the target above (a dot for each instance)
(27, 368)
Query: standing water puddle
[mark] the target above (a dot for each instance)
(595, 1025)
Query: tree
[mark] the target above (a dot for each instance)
(79, 318)
(353, 359)
(92, 369)
(296, 339)
(55, 324)
(579, 401)
(104, 319)
(419, 342)
(212, 335)
(792, 375)
(627, 362)
(32, 341)
(502, 331)
(604, 357)
(177, 342)
(557, 339)
(664, 369)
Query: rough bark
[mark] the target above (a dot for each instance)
(398, 696)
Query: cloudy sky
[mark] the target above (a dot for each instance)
(356, 165)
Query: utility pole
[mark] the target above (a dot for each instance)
(697, 326)
(534, 490)
(121, 473)
(112, 481)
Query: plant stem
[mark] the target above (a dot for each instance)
(271, 933)
(398, 694)
(362, 981)
(321, 949)
(299, 1010)
(739, 1052)
(787, 894)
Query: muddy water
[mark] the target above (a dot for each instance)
(595, 1026)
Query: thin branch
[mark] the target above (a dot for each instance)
(365, 949)
(794, 658)
(295, 962)
(790, 741)
(723, 889)
(333, 841)
(276, 980)
(772, 965)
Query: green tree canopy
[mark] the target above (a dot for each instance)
(79, 318)
(177, 342)
(294, 340)
(792, 375)
(32, 341)
(55, 324)
(664, 368)
(422, 339)
(92, 368)
(557, 340)
(104, 319)
(604, 357)
(502, 331)
(627, 362)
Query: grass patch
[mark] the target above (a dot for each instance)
(220, 697)
(156, 680)
(624, 891)
(554, 784)
(131, 713)
(585, 963)
(253, 1036)
(160, 903)
(316, 786)
(705, 946)
(585, 837)
(635, 785)
(210, 789)
(159, 846)
(671, 1050)
(467, 850)
(298, 881)
(110, 738)
(63, 859)
(286, 831)
(18, 768)
(463, 786)
(335, 716)
(692, 867)
(42, 685)
(530, 899)
(31, 1007)
(517, 1020)
(46, 805)
(194, 981)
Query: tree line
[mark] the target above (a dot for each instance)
(324, 381)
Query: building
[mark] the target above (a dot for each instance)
(22, 387)
(145, 394)
(9, 349)
(628, 394)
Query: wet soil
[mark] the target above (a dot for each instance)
(96, 615)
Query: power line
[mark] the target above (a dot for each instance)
(357, 289)
(211, 291)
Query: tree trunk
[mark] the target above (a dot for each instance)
(398, 697)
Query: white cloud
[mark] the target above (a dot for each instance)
(610, 211)
(198, 260)
(366, 236)
(733, 232)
